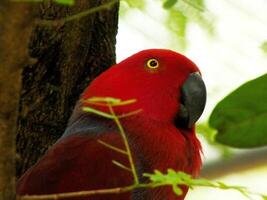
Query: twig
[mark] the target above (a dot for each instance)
(79, 15)
(66, 195)
(98, 112)
(121, 165)
(123, 135)
(129, 114)
(112, 147)
(102, 101)
(86, 193)
(110, 102)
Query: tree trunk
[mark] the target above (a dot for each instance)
(15, 28)
(69, 56)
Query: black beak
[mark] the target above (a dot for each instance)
(193, 100)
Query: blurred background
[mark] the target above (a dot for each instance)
(226, 39)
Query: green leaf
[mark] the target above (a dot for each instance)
(264, 47)
(195, 11)
(65, 2)
(209, 134)
(176, 179)
(176, 22)
(197, 4)
(127, 5)
(169, 3)
(241, 117)
(177, 190)
(140, 4)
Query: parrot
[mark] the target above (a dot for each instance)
(171, 95)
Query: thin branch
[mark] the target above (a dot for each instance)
(66, 195)
(121, 165)
(130, 113)
(112, 147)
(102, 101)
(70, 3)
(123, 135)
(85, 193)
(110, 102)
(27, 1)
(97, 112)
(79, 15)
(157, 179)
(126, 102)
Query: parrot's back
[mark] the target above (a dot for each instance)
(77, 163)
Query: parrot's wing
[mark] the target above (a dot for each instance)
(85, 124)
(76, 163)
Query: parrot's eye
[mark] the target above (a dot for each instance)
(152, 63)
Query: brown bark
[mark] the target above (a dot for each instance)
(68, 57)
(15, 23)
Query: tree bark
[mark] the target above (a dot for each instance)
(16, 24)
(69, 56)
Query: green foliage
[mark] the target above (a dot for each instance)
(126, 5)
(178, 15)
(182, 12)
(176, 22)
(176, 179)
(65, 2)
(209, 134)
(140, 4)
(264, 47)
(197, 4)
(169, 3)
(241, 117)
(195, 11)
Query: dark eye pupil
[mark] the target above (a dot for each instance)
(153, 63)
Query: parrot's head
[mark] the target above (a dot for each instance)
(167, 86)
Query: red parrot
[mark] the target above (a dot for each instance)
(169, 89)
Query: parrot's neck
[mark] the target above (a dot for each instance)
(162, 146)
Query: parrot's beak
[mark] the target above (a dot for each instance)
(193, 101)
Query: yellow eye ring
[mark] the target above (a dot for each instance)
(152, 63)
